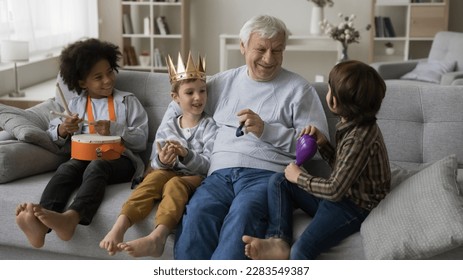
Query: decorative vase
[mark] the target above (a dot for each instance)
(144, 60)
(390, 51)
(317, 17)
(344, 56)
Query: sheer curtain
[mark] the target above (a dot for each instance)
(48, 24)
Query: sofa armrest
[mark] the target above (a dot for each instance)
(394, 70)
(457, 82)
(450, 77)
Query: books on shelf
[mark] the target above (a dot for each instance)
(127, 26)
(379, 28)
(384, 27)
(129, 56)
(157, 58)
(388, 28)
(146, 26)
(161, 25)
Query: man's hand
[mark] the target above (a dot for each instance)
(252, 122)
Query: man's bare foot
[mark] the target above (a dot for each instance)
(64, 224)
(115, 235)
(266, 249)
(32, 227)
(151, 245)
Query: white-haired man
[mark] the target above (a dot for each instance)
(272, 105)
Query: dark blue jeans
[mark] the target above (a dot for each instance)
(90, 178)
(229, 203)
(332, 221)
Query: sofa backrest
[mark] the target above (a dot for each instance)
(420, 123)
(447, 45)
(153, 91)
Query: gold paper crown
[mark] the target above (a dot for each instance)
(188, 72)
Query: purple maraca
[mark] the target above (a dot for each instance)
(306, 147)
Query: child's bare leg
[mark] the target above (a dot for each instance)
(151, 245)
(115, 235)
(32, 227)
(266, 249)
(64, 224)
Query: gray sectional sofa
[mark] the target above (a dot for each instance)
(443, 66)
(421, 218)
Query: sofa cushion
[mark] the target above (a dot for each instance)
(30, 125)
(430, 71)
(447, 45)
(420, 218)
(19, 160)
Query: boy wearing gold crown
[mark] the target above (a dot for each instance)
(180, 161)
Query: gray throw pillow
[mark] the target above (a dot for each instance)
(420, 218)
(6, 136)
(399, 174)
(30, 125)
(19, 160)
(430, 71)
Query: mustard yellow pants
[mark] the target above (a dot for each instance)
(171, 189)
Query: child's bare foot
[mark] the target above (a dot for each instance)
(266, 249)
(32, 227)
(64, 224)
(151, 245)
(115, 235)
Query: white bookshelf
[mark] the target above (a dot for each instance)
(415, 25)
(146, 38)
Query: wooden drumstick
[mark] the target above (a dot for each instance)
(65, 116)
(65, 104)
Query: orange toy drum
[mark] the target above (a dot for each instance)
(94, 146)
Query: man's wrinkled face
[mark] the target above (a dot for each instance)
(263, 56)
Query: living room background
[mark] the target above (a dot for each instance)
(210, 18)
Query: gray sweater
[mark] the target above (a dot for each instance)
(199, 146)
(286, 104)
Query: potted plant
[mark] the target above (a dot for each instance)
(389, 48)
(344, 32)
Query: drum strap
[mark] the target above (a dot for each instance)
(91, 119)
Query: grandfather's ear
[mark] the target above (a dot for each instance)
(242, 48)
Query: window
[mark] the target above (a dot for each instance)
(48, 24)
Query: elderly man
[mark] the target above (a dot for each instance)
(272, 105)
